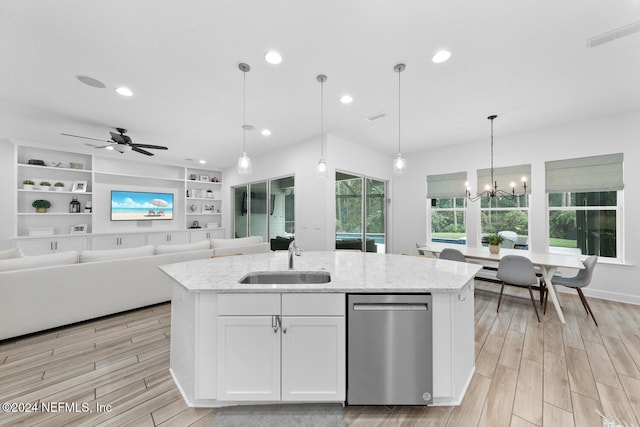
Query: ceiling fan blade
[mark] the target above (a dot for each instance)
(139, 150)
(157, 147)
(84, 137)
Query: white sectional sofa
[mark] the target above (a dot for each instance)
(46, 291)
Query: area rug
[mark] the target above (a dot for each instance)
(289, 415)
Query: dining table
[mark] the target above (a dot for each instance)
(547, 262)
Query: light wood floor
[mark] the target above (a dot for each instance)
(527, 373)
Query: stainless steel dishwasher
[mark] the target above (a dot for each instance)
(389, 353)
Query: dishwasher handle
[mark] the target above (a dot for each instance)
(392, 306)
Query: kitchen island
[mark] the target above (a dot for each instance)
(234, 343)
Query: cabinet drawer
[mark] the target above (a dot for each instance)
(322, 304)
(248, 304)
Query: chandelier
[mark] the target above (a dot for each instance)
(492, 190)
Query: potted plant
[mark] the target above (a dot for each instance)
(59, 186)
(41, 205)
(494, 241)
(45, 185)
(27, 184)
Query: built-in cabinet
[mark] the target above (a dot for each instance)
(51, 244)
(281, 347)
(117, 241)
(197, 209)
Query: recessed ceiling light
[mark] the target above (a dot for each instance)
(266, 132)
(202, 162)
(441, 56)
(346, 99)
(109, 147)
(273, 57)
(90, 81)
(124, 91)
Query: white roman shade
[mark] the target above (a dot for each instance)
(446, 185)
(597, 173)
(504, 177)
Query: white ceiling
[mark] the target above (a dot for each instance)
(526, 61)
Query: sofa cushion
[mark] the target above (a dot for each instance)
(232, 243)
(11, 253)
(242, 250)
(108, 254)
(171, 249)
(35, 261)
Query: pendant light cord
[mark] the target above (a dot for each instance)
(322, 119)
(492, 182)
(244, 111)
(399, 151)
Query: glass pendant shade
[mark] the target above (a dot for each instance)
(244, 164)
(399, 164)
(322, 171)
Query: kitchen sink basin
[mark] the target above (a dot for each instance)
(285, 277)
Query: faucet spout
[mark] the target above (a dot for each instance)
(293, 250)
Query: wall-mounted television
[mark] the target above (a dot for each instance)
(140, 206)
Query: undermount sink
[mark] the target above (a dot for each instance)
(285, 277)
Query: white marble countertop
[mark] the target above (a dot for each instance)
(350, 272)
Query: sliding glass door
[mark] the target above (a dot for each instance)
(265, 209)
(360, 213)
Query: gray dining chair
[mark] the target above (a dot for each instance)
(452, 255)
(507, 243)
(518, 271)
(579, 281)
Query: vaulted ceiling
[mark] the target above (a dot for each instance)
(528, 62)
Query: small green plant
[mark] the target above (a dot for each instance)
(45, 184)
(41, 204)
(28, 182)
(494, 239)
(59, 184)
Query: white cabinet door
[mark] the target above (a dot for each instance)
(198, 235)
(114, 241)
(168, 238)
(248, 359)
(50, 244)
(313, 358)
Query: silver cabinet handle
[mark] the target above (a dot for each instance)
(274, 324)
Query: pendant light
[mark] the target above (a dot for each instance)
(322, 170)
(399, 163)
(244, 162)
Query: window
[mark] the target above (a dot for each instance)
(585, 199)
(448, 207)
(506, 213)
(503, 214)
(586, 221)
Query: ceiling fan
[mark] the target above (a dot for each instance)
(122, 143)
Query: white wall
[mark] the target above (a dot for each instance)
(607, 135)
(8, 194)
(315, 197)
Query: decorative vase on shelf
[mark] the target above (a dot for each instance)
(494, 249)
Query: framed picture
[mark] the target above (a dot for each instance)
(78, 229)
(79, 186)
(205, 178)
